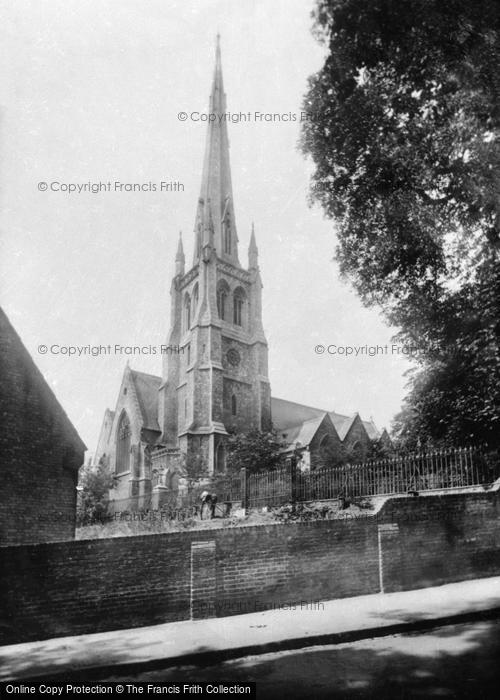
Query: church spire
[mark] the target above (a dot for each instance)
(179, 258)
(253, 253)
(215, 213)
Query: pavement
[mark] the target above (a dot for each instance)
(215, 639)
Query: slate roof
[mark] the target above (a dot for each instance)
(146, 387)
(304, 432)
(344, 424)
(373, 432)
(14, 353)
(287, 414)
(296, 419)
(111, 414)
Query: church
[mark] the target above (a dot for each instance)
(215, 372)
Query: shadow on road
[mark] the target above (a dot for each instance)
(460, 661)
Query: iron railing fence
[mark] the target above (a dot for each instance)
(270, 488)
(448, 468)
(443, 469)
(228, 488)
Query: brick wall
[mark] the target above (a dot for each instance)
(40, 451)
(262, 567)
(440, 539)
(89, 586)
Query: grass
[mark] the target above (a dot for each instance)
(151, 523)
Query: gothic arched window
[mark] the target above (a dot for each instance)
(326, 454)
(238, 304)
(187, 312)
(222, 297)
(194, 304)
(234, 405)
(357, 452)
(123, 445)
(220, 459)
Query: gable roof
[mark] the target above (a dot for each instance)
(288, 414)
(13, 352)
(109, 417)
(104, 436)
(146, 388)
(373, 432)
(297, 419)
(344, 424)
(304, 432)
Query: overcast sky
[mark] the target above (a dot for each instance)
(90, 92)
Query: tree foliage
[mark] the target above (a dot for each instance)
(403, 130)
(95, 482)
(194, 468)
(333, 455)
(255, 451)
(455, 395)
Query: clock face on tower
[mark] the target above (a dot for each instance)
(233, 357)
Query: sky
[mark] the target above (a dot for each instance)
(90, 92)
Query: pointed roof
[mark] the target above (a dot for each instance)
(343, 426)
(373, 432)
(215, 206)
(180, 250)
(253, 251)
(180, 259)
(17, 365)
(288, 414)
(146, 389)
(291, 417)
(304, 432)
(104, 436)
(253, 244)
(344, 423)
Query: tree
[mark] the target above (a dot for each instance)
(255, 450)
(379, 450)
(403, 126)
(455, 398)
(95, 482)
(194, 468)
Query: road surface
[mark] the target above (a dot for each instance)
(458, 661)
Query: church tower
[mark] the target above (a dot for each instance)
(215, 375)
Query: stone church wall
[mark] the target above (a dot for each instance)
(334, 448)
(357, 435)
(245, 411)
(91, 586)
(265, 402)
